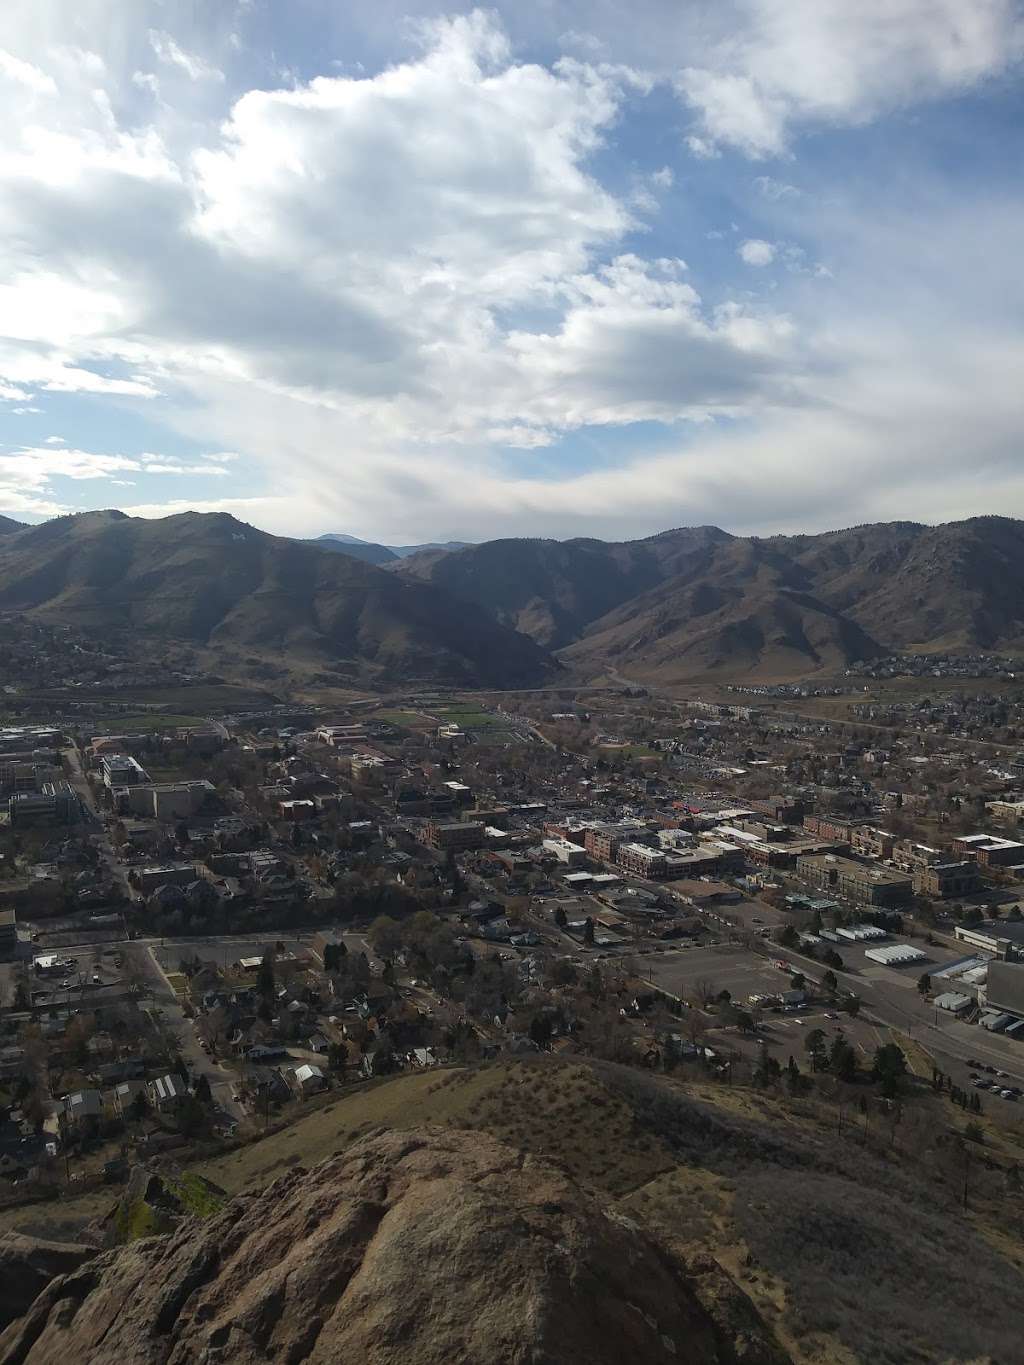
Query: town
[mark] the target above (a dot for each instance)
(208, 928)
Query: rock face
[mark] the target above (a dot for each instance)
(27, 1265)
(421, 1248)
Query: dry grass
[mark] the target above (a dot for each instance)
(540, 1105)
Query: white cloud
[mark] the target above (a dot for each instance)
(26, 75)
(167, 51)
(774, 189)
(243, 508)
(756, 252)
(55, 441)
(409, 297)
(780, 64)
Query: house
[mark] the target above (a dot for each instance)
(125, 1095)
(268, 1086)
(166, 1093)
(83, 1106)
(309, 1079)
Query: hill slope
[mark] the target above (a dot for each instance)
(553, 589)
(8, 525)
(211, 580)
(747, 610)
(837, 1236)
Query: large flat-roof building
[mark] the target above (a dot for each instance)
(988, 850)
(947, 880)
(642, 860)
(455, 835)
(862, 883)
(1004, 987)
(573, 855)
(56, 804)
(121, 770)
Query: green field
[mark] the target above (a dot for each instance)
(470, 718)
(406, 720)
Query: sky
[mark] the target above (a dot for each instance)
(552, 268)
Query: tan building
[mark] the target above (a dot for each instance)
(871, 842)
(1006, 812)
(911, 857)
(947, 880)
(862, 883)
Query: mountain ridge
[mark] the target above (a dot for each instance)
(687, 603)
(375, 553)
(696, 602)
(210, 580)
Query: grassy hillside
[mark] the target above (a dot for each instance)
(853, 1244)
(856, 1251)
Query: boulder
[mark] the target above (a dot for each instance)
(424, 1247)
(27, 1265)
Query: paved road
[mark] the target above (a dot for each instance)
(896, 1003)
(222, 1082)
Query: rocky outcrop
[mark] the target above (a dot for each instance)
(27, 1265)
(422, 1247)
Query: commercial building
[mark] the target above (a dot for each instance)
(838, 827)
(602, 841)
(988, 850)
(467, 834)
(945, 881)
(643, 861)
(56, 804)
(1003, 937)
(121, 770)
(573, 855)
(1006, 812)
(910, 856)
(862, 883)
(1004, 988)
(149, 879)
(783, 810)
(871, 842)
(167, 801)
(896, 955)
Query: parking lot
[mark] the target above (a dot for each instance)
(75, 973)
(731, 969)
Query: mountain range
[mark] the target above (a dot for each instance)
(690, 603)
(373, 553)
(699, 602)
(212, 581)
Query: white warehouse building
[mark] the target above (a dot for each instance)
(895, 955)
